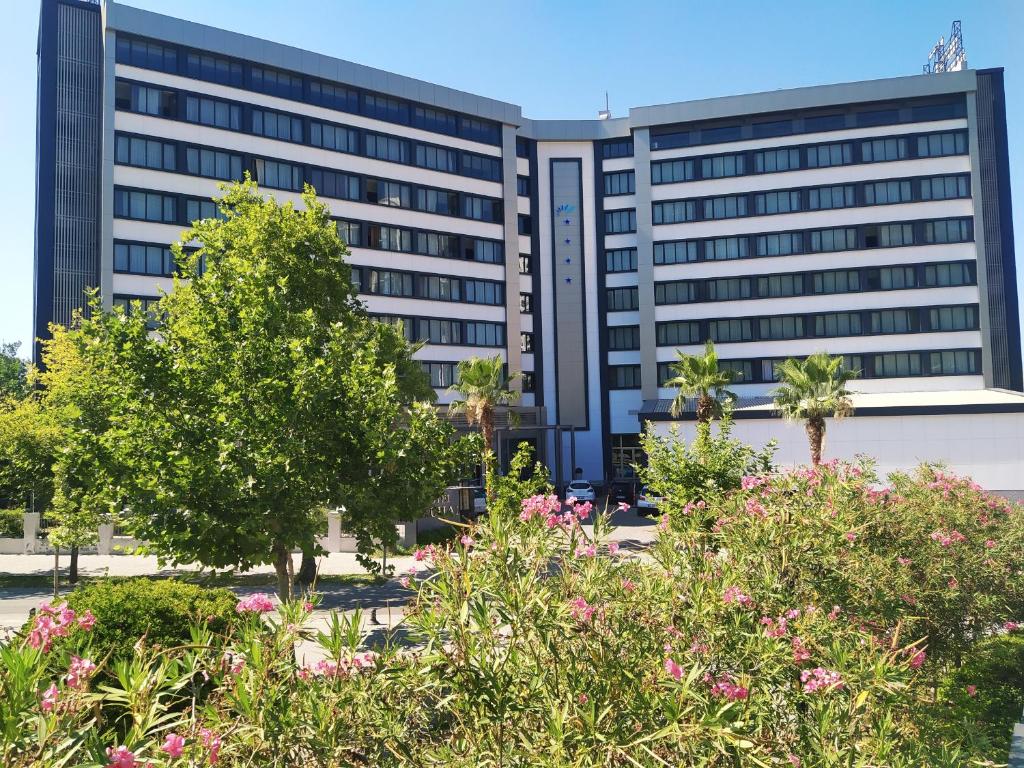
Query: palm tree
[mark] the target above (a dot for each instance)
(483, 386)
(812, 390)
(699, 376)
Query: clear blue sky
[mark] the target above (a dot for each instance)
(564, 56)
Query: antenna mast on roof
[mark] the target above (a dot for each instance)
(605, 113)
(947, 56)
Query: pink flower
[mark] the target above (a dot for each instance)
(673, 669)
(903, 560)
(735, 595)
(173, 745)
(466, 541)
(800, 652)
(917, 659)
(793, 760)
(539, 506)
(404, 581)
(952, 583)
(583, 698)
(256, 603)
(211, 741)
(49, 698)
(583, 510)
(588, 550)
(613, 547)
(726, 688)
(972, 691)
(989, 544)
(834, 613)
(79, 671)
(624, 506)
(307, 607)
(86, 620)
(1011, 626)
(581, 610)
(851, 536)
(820, 678)
(120, 757)
(628, 585)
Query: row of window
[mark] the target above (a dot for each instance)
(828, 155)
(855, 280)
(412, 285)
(277, 174)
(203, 65)
(824, 325)
(669, 137)
(888, 192)
(219, 113)
(447, 331)
(932, 232)
(135, 258)
(947, 362)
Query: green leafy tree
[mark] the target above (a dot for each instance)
(28, 444)
(13, 371)
(811, 390)
(483, 387)
(699, 376)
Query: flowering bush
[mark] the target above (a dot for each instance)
(774, 638)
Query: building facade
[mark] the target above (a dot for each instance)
(867, 219)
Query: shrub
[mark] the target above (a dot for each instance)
(12, 523)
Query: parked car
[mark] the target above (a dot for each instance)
(479, 501)
(648, 503)
(581, 490)
(622, 491)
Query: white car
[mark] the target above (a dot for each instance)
(647, 503)
(581, 490)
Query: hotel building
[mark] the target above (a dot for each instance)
(868, 219)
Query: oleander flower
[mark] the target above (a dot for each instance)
(173, 745)
(257, 603)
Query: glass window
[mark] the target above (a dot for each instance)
(334, 96)
(350, 232)
(623, 337)
(776, 286)
(888, 235)
(388, 238)
(839, 281)
(336, 137)
(677, 333)
(726, 330)
(677, 292)
(887, 192)
(620, 148)
(485, 334)
(883, 150)
(945, 187)
(342, 186)
(273, 173)
(670, 171)
(216, 69)
(523, 186)
(213, 164)
(275, 125)
(144, 153)
(436, 158)
(432, 119)
(838, 239)
(673, 212)
(481, 208)
(722, 166)
(525, 264)
(953, 362)
(145, 54)
(388, 148)
(620, 260)
(436, 244)
(780, 244)
(892, 278)
(837, 324)
(677, 252)
(725, 249)
(728, 288)
(439, 201)
(526, 303)
(897, 364)
(145, 206)
(620, 221)
(622, 299)
(481, 166)
(828, 198)
(776, 160)
(947, 231)
(384, 108)
(829, 155)
(781, 327)
(786, 201)
(724, 207)
(487, 251)
(213, 112)
(952, 319)
(893, 321)
(624, 377)
(942, 144)
(942, 275)
(479, 130)
(619, 183)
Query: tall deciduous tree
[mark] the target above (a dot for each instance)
(483, 386)
(13, 371)
(812, 390)
(699, 376)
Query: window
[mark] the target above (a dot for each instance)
(523, 186)
(437, 201)
(947, 231)
(672, 212)
(481, 208)
(525, 341)
(839, 281)
(145, 304)
(481, 167)
(143, 259)
(213, 112)
(146, 101)
(942, 144)
(145, 153)
(838, 239)
(883, 150)
(275, 125)
(384, 108)
(828, 155)
(351, 232)
(953, 362)
(479, 130)
(678, 332)
(336, 137)
(620, 183)
(776, 202)
(715, 135)
(436, 158)
(623, 337)
(436, 244)
(945, 187)
(828, 198)
(677, 292)
(334, 96)
(145, 206)
(777, 286)
(616, 222)
(942, 275)
(623, 377)
(670, 171)
(773, 128)
(526, 303)
(389, 193)
(620, 148)
(895, 364)
(722, 166)
(891, 278)
(837, 324)
(887, 192)
(725, 207)
(273, 173)
(727, 330)
(436, 120)
(387, 283)
(677, 252)
(388, 238)
(213, 164)
(946, 111)
(277, 83)
(620, 260)
(781, 327)
(878, 117)
(216, 69)
(142, 53)
(529, 381)
(622, 299)
(824, 123)
(888, 235)
(776, 160)
(780, 244)
(893, 321)
(725, 249)
(485, 334)
(524, 224)
(525, 264)
(952, 319)
(483, 292)
(387, 148)
(201, 209)
(438, 331)
(335, 184)
(728, 288)
(488, 251)
(442, 375)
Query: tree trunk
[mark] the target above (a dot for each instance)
(487, 428)
(56, 572)
(705, 409)
(307, 571)
(815, 436)
(73, 566)
(283, 568)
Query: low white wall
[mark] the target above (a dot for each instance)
(987, 447)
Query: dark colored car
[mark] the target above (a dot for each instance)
(622, 491)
